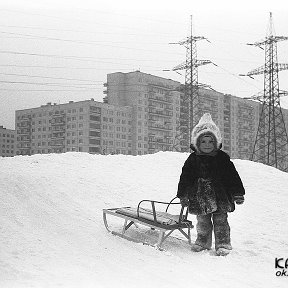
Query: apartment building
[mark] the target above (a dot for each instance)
(141, 114)
(155, 103)
(7, 142)
(160, 112)
(85, 126)
(237, 118)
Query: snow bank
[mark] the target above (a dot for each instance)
(52, 232)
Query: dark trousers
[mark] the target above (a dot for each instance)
(221, 230)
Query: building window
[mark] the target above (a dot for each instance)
(94, 149)
(94, 141)
(95, 125)
(95, 109)
(94, 133)
(95, 118)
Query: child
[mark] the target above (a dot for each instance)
(209, 184)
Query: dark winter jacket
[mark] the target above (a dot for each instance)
(210, 183)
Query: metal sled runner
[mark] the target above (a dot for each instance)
(164, 222)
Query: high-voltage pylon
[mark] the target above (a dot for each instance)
(271, 143)
(191, 105)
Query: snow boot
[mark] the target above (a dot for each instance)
(197, 248)
(222, 251)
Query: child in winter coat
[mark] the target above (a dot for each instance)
(209, 185)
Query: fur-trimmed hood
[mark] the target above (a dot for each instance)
(205, 125)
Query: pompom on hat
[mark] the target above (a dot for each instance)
(205, 126)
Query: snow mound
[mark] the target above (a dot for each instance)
(52, 232)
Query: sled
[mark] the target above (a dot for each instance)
(163, 222)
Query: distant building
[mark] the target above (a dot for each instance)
(141, 114)
(237, 119)
(155, 103)
(149, 95)
(85, 126)
(7, 142)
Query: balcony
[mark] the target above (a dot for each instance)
(27, 149)
(59, 135)
(160, 99)
(24, 145)
(161, 113)
(58, 122)
(26, 117)
(160, 127)
(24, 124)
(56, 129)
(57, 144)
(24, 132)
(94, 109)
(160, 146)
(25, 140)
(160, 141)
(58, 118)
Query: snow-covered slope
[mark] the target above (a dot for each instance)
(52, 232)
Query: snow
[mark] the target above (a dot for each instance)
(52, 231)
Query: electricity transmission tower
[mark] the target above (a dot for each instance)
(271, 143)
(190, 106)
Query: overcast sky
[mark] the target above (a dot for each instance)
(56, 51)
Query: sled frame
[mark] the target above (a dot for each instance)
(165, 230)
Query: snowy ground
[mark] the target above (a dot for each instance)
(52, 232)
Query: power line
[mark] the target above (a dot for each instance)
(67, 40)
(71, 57)
(81, 20)
(236, 76)
(47, 67)
(47, 77)
(77, 31)
(43, 84)
(47, 90)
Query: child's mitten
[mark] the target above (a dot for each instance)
(184, 201)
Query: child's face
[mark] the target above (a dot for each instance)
(206, 144)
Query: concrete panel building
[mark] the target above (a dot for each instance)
(7, 142)
(155, 104)
(85, 126)
(237, 118)
(141, 114)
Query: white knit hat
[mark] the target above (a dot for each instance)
(206, 126)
